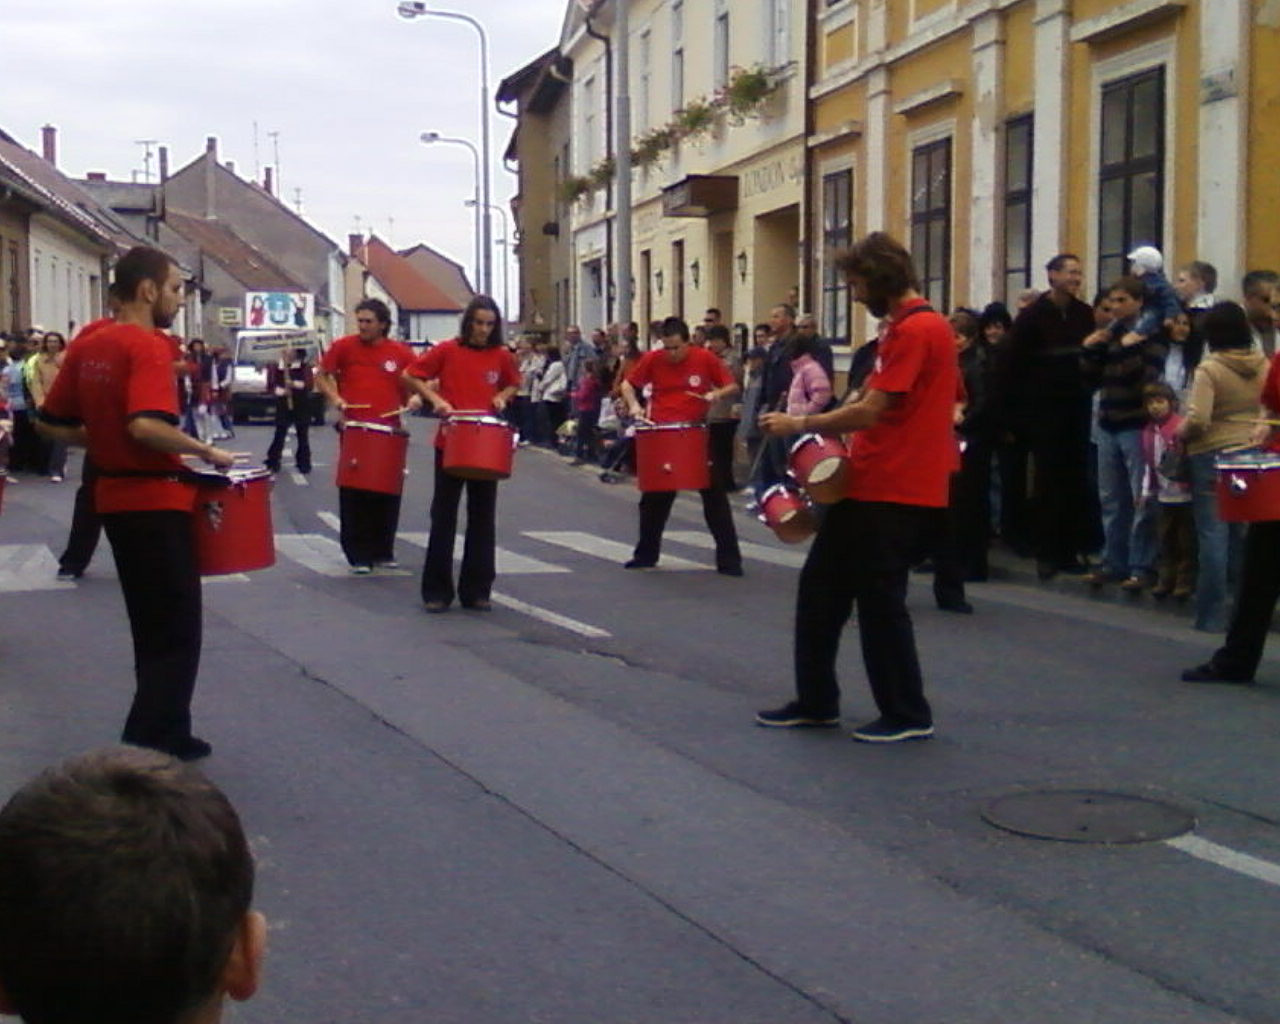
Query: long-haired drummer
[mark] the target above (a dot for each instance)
(117, 393)
(685, 381)
(902, 453)
(476, 373)
(360, 375)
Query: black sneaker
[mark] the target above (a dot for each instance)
(794, 716)
(1210, 673)
(881, 731)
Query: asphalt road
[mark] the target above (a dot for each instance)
(562, 812)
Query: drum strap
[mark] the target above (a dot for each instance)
(177, 476)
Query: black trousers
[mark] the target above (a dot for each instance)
(1068, 519)
(86, 524)
(722, 433)
(156, 559)
(479, 560)
(1255, 602)
(369, 523)
(297, 415)
(863, 553)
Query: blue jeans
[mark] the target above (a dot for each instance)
(1220, 545)
(1129, 548)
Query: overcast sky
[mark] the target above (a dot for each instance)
(348, 84)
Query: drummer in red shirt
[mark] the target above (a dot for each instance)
(686, 380)
(902, 454)
(360, 375)
(474, 372)
(117, 393)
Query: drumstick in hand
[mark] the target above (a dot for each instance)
(394, 412)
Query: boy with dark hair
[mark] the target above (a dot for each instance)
(125, 884)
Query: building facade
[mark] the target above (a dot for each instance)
(991, 135)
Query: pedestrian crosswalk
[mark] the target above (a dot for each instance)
(33, 567)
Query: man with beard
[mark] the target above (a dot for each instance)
(902, 454)
(116, 392)
(1047, 402)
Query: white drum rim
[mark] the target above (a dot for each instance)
(479, 417)
(377, 428)
(235, 476)
(648, 427)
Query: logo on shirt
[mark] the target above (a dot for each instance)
(389, 366)
(695, 380)
(491, 377)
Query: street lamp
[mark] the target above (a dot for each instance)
(505, 242)
(427, 138)
(415, 9)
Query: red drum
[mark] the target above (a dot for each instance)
(788, 514)
(1249, 486)
(371, 457)
(821, 466)
(478, 446)
(233, 522)
(672, 457)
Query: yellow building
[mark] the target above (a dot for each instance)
(716, 218)
(991, 135)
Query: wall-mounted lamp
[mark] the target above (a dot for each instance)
(657, 280)
(742, 265)
(695, 272)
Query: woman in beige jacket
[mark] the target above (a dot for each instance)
(1225, 397)
(47, 364)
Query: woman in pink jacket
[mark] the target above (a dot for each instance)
(810, 386)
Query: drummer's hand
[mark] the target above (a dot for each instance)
(340, 404)
(708, 396)
(779, 424)
(1261, 435)
(413, 404)
(499, 403)
(217, 457)
(443, 409)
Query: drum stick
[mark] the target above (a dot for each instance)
(1238, 448)
(1253, 419)
(393, 412)
(354, 405)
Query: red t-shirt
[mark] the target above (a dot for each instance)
(467, 377)
(110, 376)
(369, 375)
(909, 455)
(699, 371)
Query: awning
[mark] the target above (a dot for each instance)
(700, 195)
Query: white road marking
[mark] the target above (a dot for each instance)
(231, 577)
(331, 520)
(321, 554)
(510, 563)
(610, 550)
(1225, 857)
(545, 615)
(25, 567)
(299, 479)
(760, 552)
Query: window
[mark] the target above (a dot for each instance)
(677, 278)
(931, 219)
(677, 54)
(837, 234)
(588, 124)
(1018, 137)
(721, 44)
(646, 294)
(1131, 170)
(642, 91)
(777, 28)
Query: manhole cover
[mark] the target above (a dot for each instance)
(1087, 816)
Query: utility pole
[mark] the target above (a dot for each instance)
(622, 162)
(297, 200)
(275, 156)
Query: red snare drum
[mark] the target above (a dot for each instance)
(371, 457)
(1248, 486)
(478, 446)
(821, 466)
(788, 514)
(672, 457)
(233, 522)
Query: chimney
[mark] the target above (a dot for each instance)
(231, 166)
(49, 143)
(164, 164)
(210, 178)
(354, 244)
(96, 176)
(162, 203)
(268, 185)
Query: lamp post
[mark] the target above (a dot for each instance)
(415, 9)
(505, 242)
(428, 138)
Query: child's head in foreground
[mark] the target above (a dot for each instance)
(125, 884)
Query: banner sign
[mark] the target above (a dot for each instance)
(279, 311)
(264, 347)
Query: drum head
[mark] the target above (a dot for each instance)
(825, 469)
